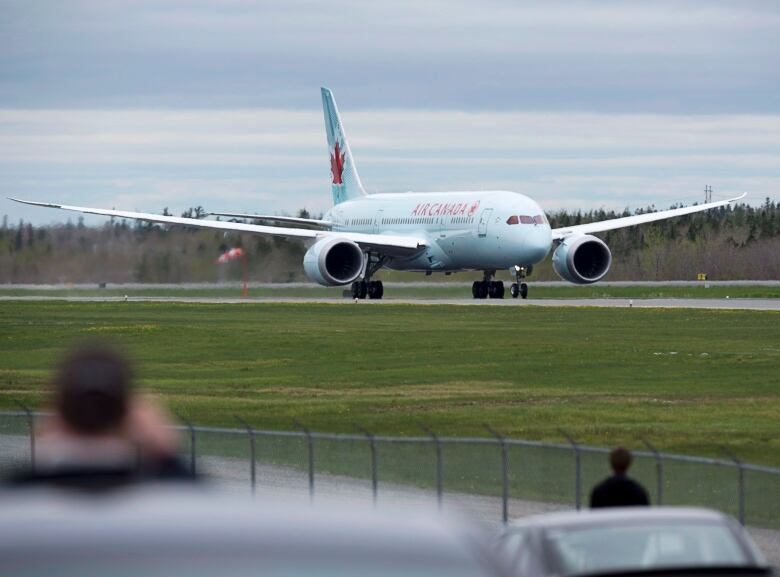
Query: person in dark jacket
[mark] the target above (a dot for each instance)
(100, 434)
(619, 490)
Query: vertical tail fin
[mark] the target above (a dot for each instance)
(346, 183)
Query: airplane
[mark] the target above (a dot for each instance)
(423, 231)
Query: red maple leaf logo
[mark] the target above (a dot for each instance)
(337, 163)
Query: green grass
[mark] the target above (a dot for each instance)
(688, 380)
(432, 290)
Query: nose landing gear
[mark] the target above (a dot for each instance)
(520, 288)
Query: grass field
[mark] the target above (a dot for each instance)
(431, 290)
(688, 380)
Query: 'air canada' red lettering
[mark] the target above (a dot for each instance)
(451, 209)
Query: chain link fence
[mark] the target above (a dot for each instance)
(498, 477)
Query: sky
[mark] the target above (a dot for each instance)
(143, 105)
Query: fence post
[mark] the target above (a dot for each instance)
(374, 464)
(439, 464)
(252, 453)
(31, 427)
(740, 483)
(310, 449)
(504, 473)
(659, 470)
(577, 469)
(191, 430)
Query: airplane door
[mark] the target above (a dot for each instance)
(378, 221)
(484, 218)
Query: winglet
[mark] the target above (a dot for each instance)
(33, 203)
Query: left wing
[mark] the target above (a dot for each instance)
(265, 217)
(604, 225)
(389, 244)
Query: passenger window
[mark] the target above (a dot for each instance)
(513, 220)
(525, 219)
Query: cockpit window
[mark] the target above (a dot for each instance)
(526, 219)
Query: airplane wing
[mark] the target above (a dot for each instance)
(604, 225)
(393, 245)
(290, 219)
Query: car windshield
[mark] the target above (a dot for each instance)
(598, 549)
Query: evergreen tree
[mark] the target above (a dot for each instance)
(19, 238)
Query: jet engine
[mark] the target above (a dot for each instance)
(582, 259)
(333, 261)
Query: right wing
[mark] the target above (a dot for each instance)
(389, 244)
(604, 225)
(290, 219)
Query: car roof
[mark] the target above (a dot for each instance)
(171, 517)
(620, 515)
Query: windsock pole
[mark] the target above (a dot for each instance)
(233, 254)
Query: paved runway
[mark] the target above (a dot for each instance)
(726, 304)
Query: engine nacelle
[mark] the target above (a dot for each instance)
(582, 259)
(333, 261)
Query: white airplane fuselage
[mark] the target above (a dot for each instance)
(465, 230)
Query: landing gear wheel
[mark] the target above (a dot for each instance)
(479, 290)
(519, 288)
(359, 289)
(496, 289)
(375, 290)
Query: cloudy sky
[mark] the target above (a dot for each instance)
(167, 103)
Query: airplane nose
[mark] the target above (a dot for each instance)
(538, 244)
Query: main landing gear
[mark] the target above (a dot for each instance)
(520, 288)
(372, 289)
(488, 287)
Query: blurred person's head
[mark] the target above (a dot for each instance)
(92, 389)
(620, 460)
(102, 435)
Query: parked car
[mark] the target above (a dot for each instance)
(194, 533)
(630, 541)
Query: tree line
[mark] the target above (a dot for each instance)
(737, 242)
